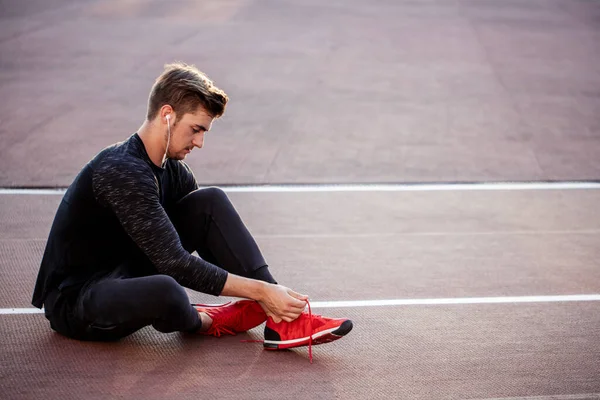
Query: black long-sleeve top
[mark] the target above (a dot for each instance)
(115, 212)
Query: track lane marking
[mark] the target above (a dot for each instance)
(404, 302)
(366, 187)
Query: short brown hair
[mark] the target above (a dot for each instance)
(184, 87)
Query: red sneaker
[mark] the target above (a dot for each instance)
(233, 317)
(308, 329)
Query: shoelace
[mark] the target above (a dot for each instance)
(218, 330)
(310, 338)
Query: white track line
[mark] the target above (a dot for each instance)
(7, 311)
(38, 192)
(407, 302)
(582, 396)
(452, 301)
(419, 234)
(387, 234)
(400, 187)
(418, 187)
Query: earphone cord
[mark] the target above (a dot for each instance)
(168, 140)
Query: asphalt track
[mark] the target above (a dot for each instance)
(363, 147)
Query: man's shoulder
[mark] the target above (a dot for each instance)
(119, 163)
(115, 159)
(120, 155)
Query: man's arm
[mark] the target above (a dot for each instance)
(130, 190)
(278, 301)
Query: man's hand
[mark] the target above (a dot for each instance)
(279, 302)
(282, 303)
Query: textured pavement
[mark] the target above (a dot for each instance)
(343, 91)
(336, 91)
(354, 246)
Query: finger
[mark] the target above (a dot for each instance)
(298, 296)
(292, 317)
(292, 313)
(296, 302)
(296, 306)
(297, 310)
(295, 318)
(295, 313)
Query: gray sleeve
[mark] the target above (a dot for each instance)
(131, 192)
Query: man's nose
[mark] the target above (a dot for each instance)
(198, 141)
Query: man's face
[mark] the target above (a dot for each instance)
(188, 133)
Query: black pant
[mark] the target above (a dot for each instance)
(118, 304)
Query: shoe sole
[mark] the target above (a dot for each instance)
(326, 336)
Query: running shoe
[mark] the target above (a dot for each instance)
(307, 330)
(233, 317)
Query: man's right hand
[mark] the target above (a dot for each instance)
(282, 303)
(279, 302)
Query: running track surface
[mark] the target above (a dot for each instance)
(336, 92)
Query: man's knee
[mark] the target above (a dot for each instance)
(215, 194)
(207, 196)
(174, 311)
(168, 291)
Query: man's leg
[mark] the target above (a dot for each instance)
(117, 306)
(208, 223)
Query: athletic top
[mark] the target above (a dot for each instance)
(115, 212)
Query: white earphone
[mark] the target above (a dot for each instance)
(168, 116)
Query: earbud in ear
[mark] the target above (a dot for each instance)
(168, 116)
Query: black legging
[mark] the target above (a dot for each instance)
(118, 304)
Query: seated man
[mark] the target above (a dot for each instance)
(119, 250)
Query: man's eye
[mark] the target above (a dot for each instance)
(196, 130)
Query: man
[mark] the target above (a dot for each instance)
(119, 250)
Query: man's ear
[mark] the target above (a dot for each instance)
(167, 111)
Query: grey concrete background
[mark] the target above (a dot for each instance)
(336, 91)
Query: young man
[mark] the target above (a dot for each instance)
(119, 251)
